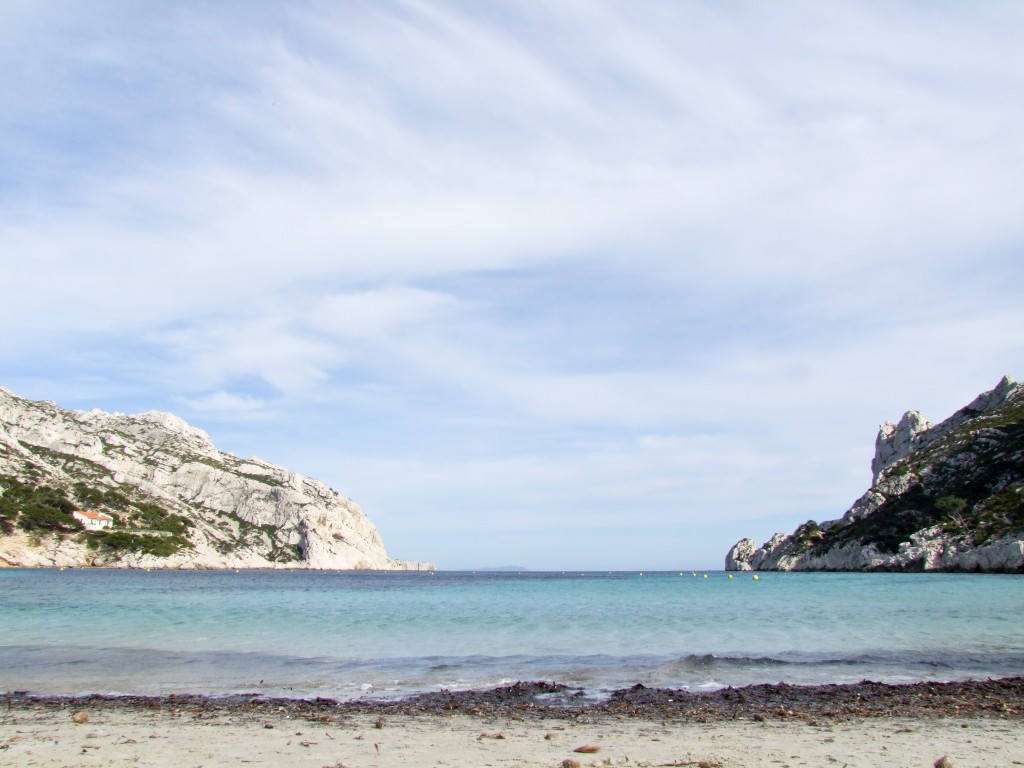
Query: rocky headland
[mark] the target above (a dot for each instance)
(944, 497)
(175, 501)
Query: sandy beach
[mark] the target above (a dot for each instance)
(158, 740)
(985, 728)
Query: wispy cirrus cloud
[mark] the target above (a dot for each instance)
(560, 252)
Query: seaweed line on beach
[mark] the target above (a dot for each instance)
(822, 704)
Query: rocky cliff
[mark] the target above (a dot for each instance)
(175, 500)
(945, 497)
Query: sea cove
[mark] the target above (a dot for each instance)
(386, 635)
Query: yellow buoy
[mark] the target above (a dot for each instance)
(730, 575)
(756, 577)
(705, 575)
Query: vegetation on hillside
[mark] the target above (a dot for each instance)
(140, 526)
(34, 507)
(32, 500)
(42, 485)
(970, 482)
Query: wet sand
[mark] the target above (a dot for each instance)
(531, 724)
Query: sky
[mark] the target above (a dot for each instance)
(562, 285)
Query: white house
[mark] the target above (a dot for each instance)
(93, 521)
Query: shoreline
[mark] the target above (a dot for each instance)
(864, 725)
(994, 699)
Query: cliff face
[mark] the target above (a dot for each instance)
(945, 497)
(176, 501)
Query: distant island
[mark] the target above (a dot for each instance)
(944, 497)
(151, 491)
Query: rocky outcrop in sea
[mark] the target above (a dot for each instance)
(175, 500)
(944, 497)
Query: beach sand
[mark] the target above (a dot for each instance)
(132, 739)
(195, 731)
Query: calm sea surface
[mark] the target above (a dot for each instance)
(350, 635)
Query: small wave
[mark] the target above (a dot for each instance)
(708, 662)
(942, 660)
(72, 668)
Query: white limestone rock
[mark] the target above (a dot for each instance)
(740, 556)
(246, 513)
(914, 432)
(895, 441)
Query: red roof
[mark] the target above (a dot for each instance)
(93, 515)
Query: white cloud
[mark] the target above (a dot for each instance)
(213, 353)
(225, 402)
(376, 313)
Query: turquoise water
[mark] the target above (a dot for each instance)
(387, 634)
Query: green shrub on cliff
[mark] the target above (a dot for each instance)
(807, 535)
(92, 496)
(34, 507)
(153, 517)
(123, 541)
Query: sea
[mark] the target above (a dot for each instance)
(375, 635)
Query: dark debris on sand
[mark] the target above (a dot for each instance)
(1000, 699)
